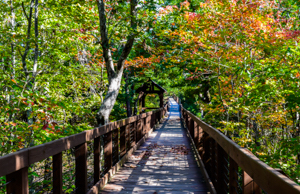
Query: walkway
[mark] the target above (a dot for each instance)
(163, 164)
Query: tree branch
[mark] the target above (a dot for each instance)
(104, 39)
(130, 40)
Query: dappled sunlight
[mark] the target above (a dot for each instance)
(164, 163)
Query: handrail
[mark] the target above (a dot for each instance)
(15, 165)
(222, 159)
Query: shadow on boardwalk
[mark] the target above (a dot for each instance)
(163, 164)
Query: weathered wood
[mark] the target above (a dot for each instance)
(17, 182)
(249, 186)
(266, 177)
(57, 174)
(81, 168)
(233, 177)
(107, 152)
(97, 164)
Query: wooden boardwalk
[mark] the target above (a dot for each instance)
(163, 164)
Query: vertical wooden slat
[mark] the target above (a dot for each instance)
(107, 151)
(81, 168)
(233, 177)
(97, 147)
(57, 174)
(122, 141)
(249, 186)
(17, 182)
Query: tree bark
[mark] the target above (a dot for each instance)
(114, 76)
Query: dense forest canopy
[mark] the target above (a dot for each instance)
(233, 63)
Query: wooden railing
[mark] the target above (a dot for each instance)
(119, 139)
(229, 168)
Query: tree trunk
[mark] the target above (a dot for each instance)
(110, 98)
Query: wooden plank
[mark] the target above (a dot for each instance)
(57, 174)
(17, 182)
(107, 152)
(97, 164)
(100, 184)
(81, 168)
(266, 177)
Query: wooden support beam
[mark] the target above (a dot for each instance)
(57, 174)
(17, 182)
(81, 168)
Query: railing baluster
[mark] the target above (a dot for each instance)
(57, 174)
(81, 168)
(107, 151)
(17, 182)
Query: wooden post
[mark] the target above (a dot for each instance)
(213, 160)
(122, 141)
(249, 186)
(233, 177)
(115, 148)
(161, 100)
(196, 133)
(81, 168)
(97, 167)
(17, 182)
(221, 174)
(128, 131)
(107, 151)
(139, 127)
(57, 174)
(191, 128)
(134, 133)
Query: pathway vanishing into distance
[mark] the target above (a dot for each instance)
(163, 164)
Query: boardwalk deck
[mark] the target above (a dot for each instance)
(163, 164)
